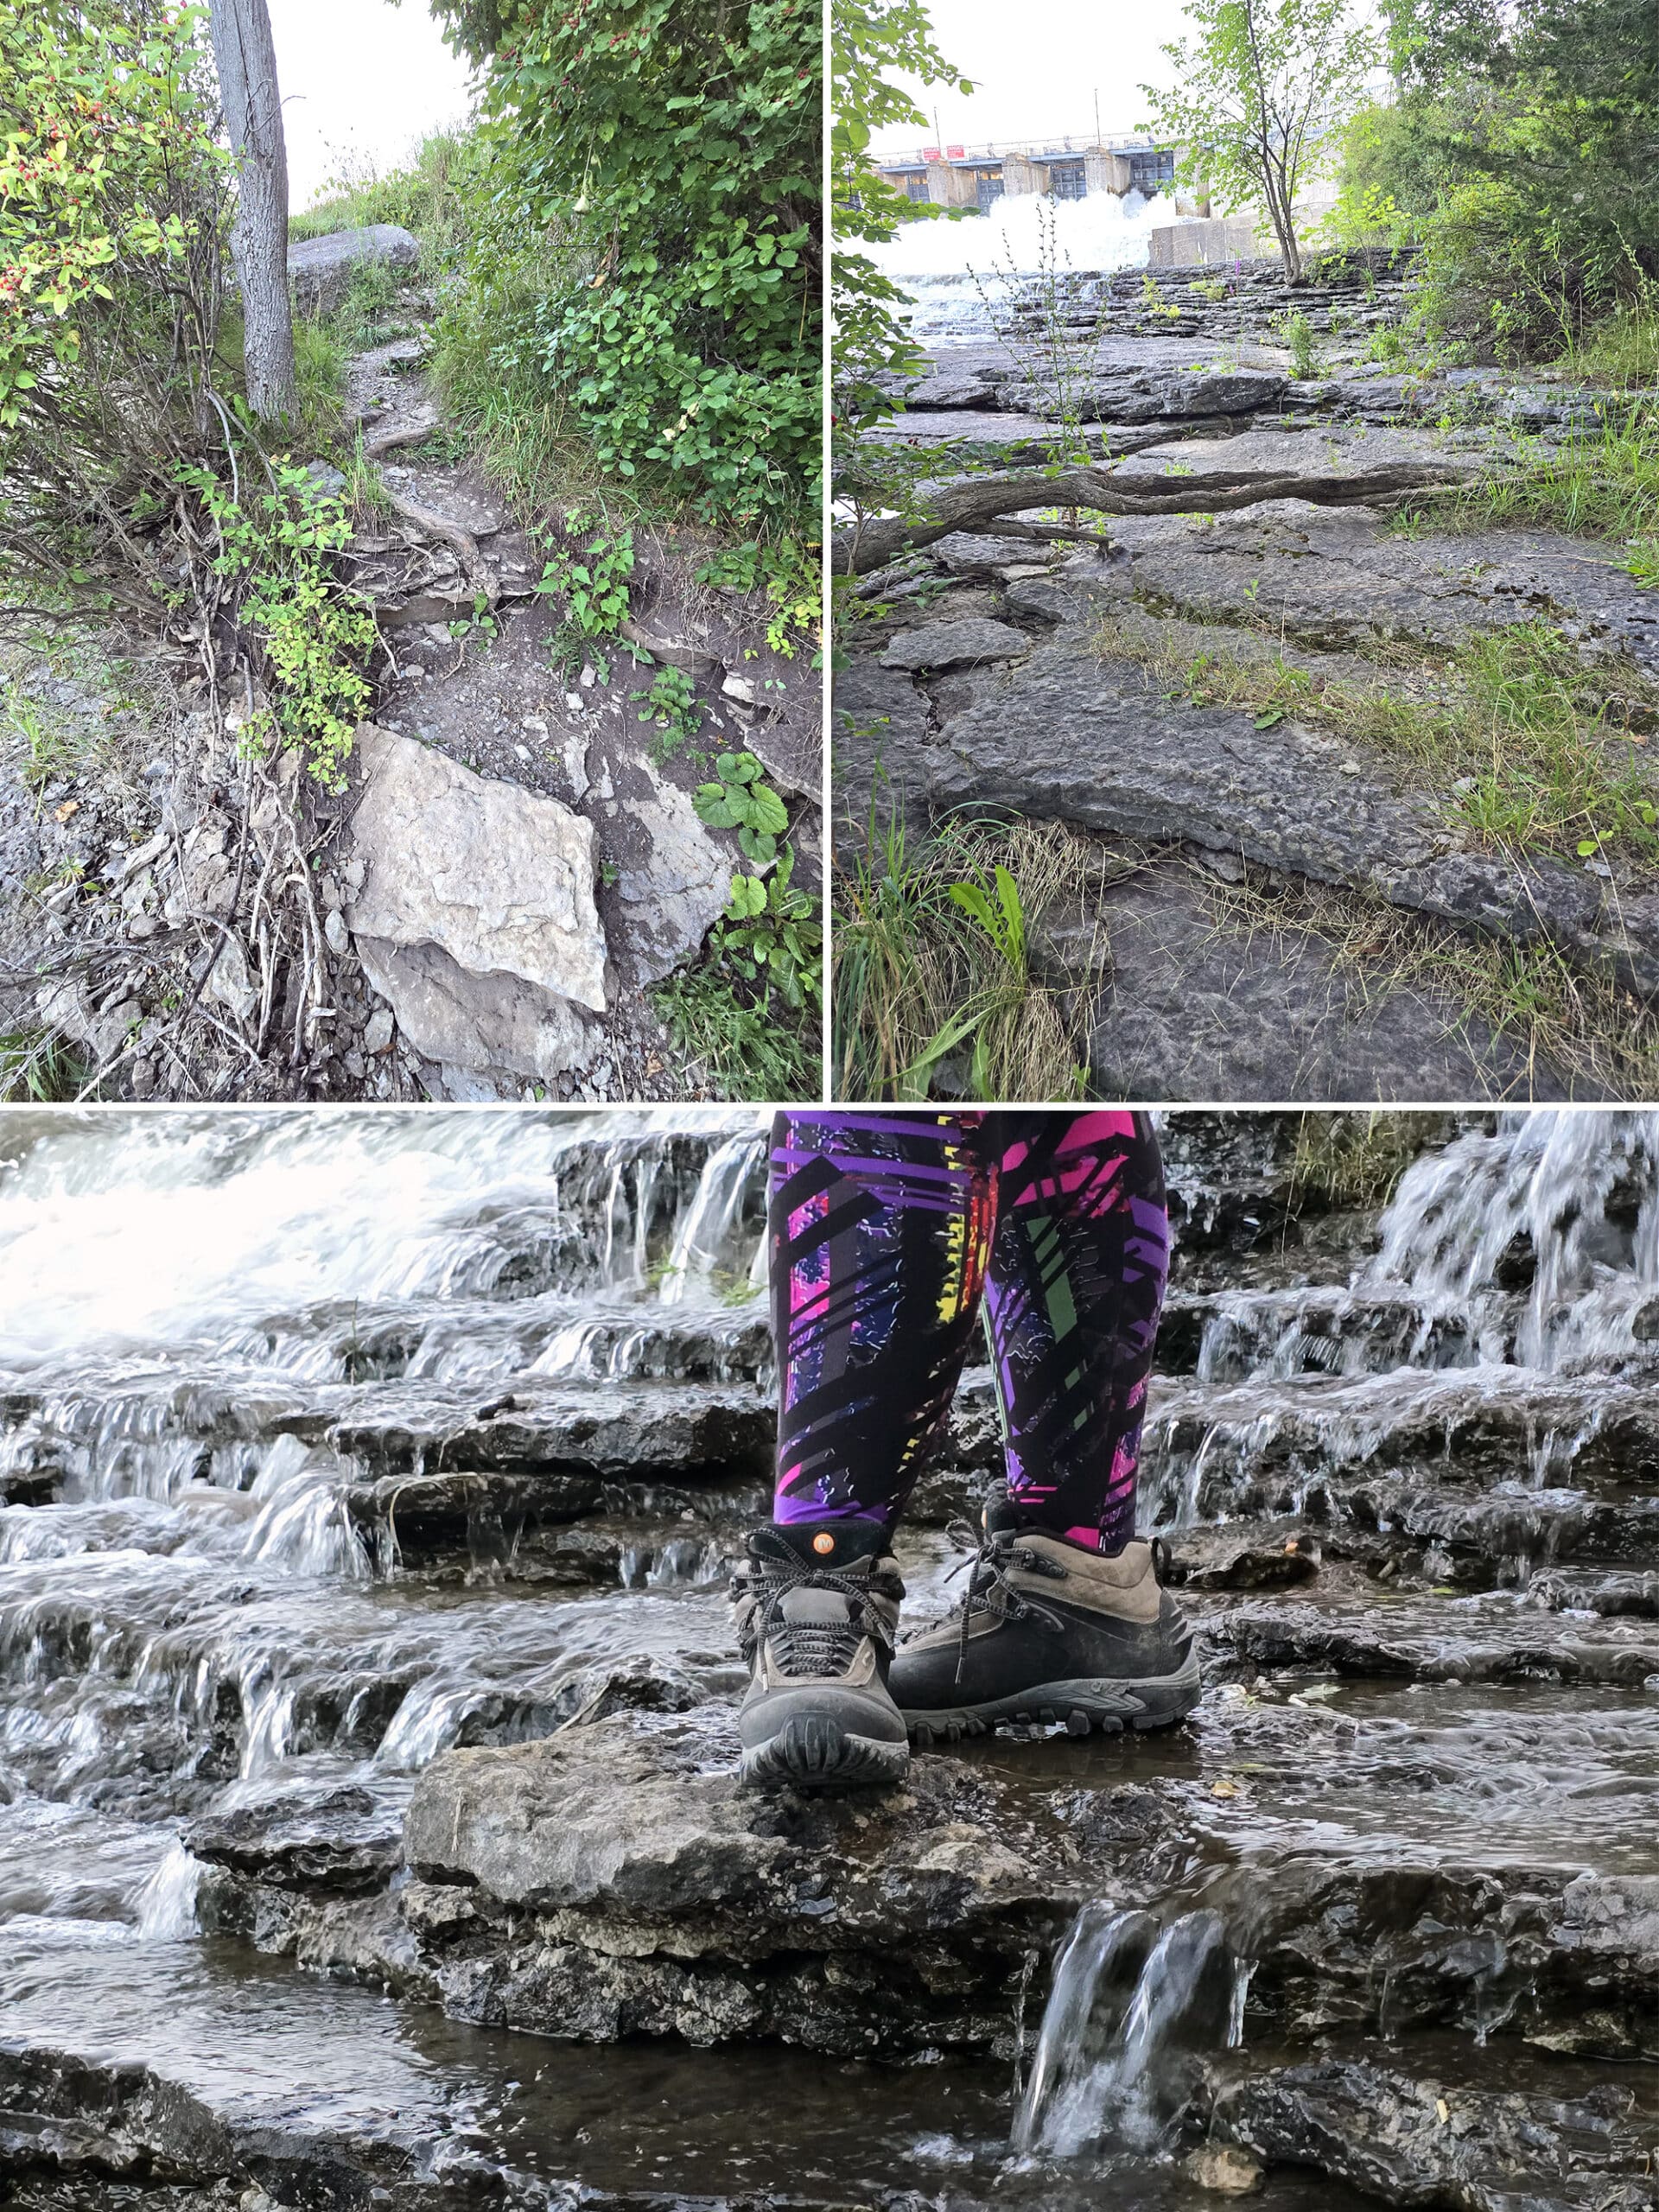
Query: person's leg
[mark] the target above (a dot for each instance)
(1064, 1619)
(879, 1230)
(1076, 1287)
(879, 1227)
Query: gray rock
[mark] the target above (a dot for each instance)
(462, 1020)
(229, 985)
(498, 880)
(954, 644)
(613, 1879)
(676, 653)
(376, 1037)
(335, 929)
(1196, 1008)
(966, 555)
(881, 723)
(1332, 463)
(1334, 578)
(1233, 391)
(321, 270)
(1067, 737)
(667, 906)
(1401, 2140)
(326, 480)
(598, 1818)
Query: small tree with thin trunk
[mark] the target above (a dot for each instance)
(1257, 93)
(253, 113)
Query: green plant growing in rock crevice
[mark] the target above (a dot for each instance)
(1304, 347)
(1571, 1024)
(750, 1010)
(741, 799)
(1348, 1163)
(671, 705)
(593, 580)
(37, 1068)
(1051, 351)
(774, 929)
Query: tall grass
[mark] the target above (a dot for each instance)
(938, 990)
(1596, 483)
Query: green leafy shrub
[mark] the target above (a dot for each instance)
(1519, 153)
(645, 238)
(114, 224)
(277, 550)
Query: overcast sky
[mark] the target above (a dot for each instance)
(361, 79)
(1038, 66)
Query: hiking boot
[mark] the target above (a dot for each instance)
(817, 1609)
(1049, 1632)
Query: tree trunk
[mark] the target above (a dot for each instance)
(1279, 206)
(253, 113)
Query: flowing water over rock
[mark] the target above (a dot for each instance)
(362, 1630)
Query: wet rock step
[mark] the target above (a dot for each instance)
(197, 2093)
(617, 1431)
(558, 1530)
(450, 1339)
(1427, 1640)
(1432, 2137)
(1234, 1336)
(167, 1667)
(612, 1882)
(152, 1441)
(1489, 1425)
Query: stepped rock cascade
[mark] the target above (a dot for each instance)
(367, 1827)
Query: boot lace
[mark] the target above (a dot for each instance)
(767, 1579)
(992, 1556)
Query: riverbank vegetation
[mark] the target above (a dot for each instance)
(1516, 153)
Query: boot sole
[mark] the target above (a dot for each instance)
(816, 1753)
(1109, 1704)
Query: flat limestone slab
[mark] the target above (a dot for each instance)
(1331, 459)
(498, 877)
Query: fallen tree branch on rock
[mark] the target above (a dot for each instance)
(976, 502)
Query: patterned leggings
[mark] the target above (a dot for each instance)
(885, 1230)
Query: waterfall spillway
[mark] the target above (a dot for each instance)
(332, 1446)
(1132, 2007)
(242, 1357)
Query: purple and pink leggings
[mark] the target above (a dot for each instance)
(888, 1233)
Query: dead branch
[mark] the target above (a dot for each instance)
(972, 502)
